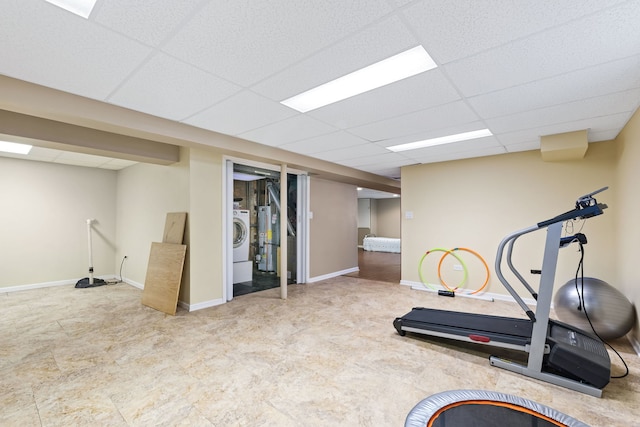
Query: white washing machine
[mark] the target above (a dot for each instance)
(242, 265)
(241, 227)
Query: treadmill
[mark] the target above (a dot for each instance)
(557, 353)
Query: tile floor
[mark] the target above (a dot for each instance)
(327, 356)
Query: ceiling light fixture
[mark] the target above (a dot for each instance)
(441, 140)
(79, 7)
(406, 64)
(14, 147)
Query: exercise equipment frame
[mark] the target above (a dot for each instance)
(557, 353)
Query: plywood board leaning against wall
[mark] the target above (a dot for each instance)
(174, 228)
(164, 274)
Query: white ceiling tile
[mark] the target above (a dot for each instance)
(328, 142)
(120, 162)
(613, 77)
(258, 39)
(603, 135)
(25, 156)
(349, 153)
(147, 21)
(530, 68)
(116, 165)
(401, 3)
(295, 128)
(523, 146)
(452, 114)
(51, 47)
(445, 157)
(416, 93)
(452, 30)
(375, 43)
(240, 113)
(393, 173)
(387, 159)
(41, 153)
(169, 88)
(596, 124)
(109, 166)
(570, 112)
(69, 157)
(596, 39)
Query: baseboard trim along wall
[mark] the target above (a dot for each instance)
(133, 283)
(635, 344)
(332, 275)
(48, 284)
(201, 305)
(418, 286)
(186, 306)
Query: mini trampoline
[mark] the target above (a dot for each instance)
(481, 408)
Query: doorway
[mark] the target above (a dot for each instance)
(379, 215)
(257, 220)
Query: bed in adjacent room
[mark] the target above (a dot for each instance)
(380, 244)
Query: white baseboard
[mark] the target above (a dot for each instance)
(332, 275)
(133, 283)
(634, 343)
(201, 305)
(484, 295)
(49, 284)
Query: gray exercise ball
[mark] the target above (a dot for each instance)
(610, 312)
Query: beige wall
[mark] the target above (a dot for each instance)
(333, 230)
(493, 196)
(364, 213)
(146, 193)
(627, 207)
(373, 208)
(43, 222)
(46, 221)
(388, 218)
(206, 237)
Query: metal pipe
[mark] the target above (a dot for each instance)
(275, 198)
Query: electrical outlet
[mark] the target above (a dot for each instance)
(457, 267)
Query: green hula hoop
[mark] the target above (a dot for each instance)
(448, 252)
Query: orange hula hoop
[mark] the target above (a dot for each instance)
(471, 252)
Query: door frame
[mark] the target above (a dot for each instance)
(302, 217)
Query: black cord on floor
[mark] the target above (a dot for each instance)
(582, 306)
(121, 264)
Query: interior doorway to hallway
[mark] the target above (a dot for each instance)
(379, 266)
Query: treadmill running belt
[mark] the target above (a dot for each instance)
(504, 329)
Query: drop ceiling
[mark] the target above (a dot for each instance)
(522, 69)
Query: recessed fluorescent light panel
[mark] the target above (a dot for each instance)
(15, 148)
(441, 140)
(79, 7)
(406, 64)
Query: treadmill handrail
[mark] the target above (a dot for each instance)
(516, 273)
(498, 268)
